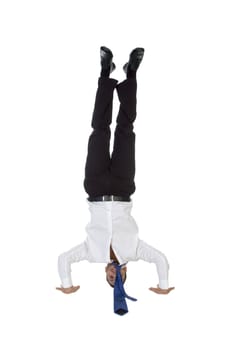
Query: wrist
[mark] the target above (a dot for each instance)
(163, 284)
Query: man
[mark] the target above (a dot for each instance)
(112, 234)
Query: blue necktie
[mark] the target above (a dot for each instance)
(120, 306)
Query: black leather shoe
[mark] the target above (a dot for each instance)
(106, 57)
(135, 58)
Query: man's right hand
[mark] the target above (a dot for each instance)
(68, 290)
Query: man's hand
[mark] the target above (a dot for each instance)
(68, 290)
(161, 291)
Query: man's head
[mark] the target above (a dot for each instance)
(111, 274)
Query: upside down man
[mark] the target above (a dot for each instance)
(112, 233)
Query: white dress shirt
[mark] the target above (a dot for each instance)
(112, 224)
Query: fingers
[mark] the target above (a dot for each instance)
(155, 290)
(68, 290)
(161, 291)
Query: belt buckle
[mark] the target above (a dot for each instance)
(107, 198)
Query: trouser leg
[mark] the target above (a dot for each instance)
(97, 180)
(123, 156)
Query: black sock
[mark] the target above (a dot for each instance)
(105, 72)
(131, 73)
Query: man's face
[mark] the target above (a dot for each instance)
(111, 273)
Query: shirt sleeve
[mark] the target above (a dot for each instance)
(150, 254)
(65, 260)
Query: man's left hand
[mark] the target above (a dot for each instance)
(160, 290)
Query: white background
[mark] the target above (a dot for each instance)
(183, 205)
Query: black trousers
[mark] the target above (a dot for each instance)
(105, 174)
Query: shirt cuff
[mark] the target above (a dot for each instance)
(163, 284)
(66, 283)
